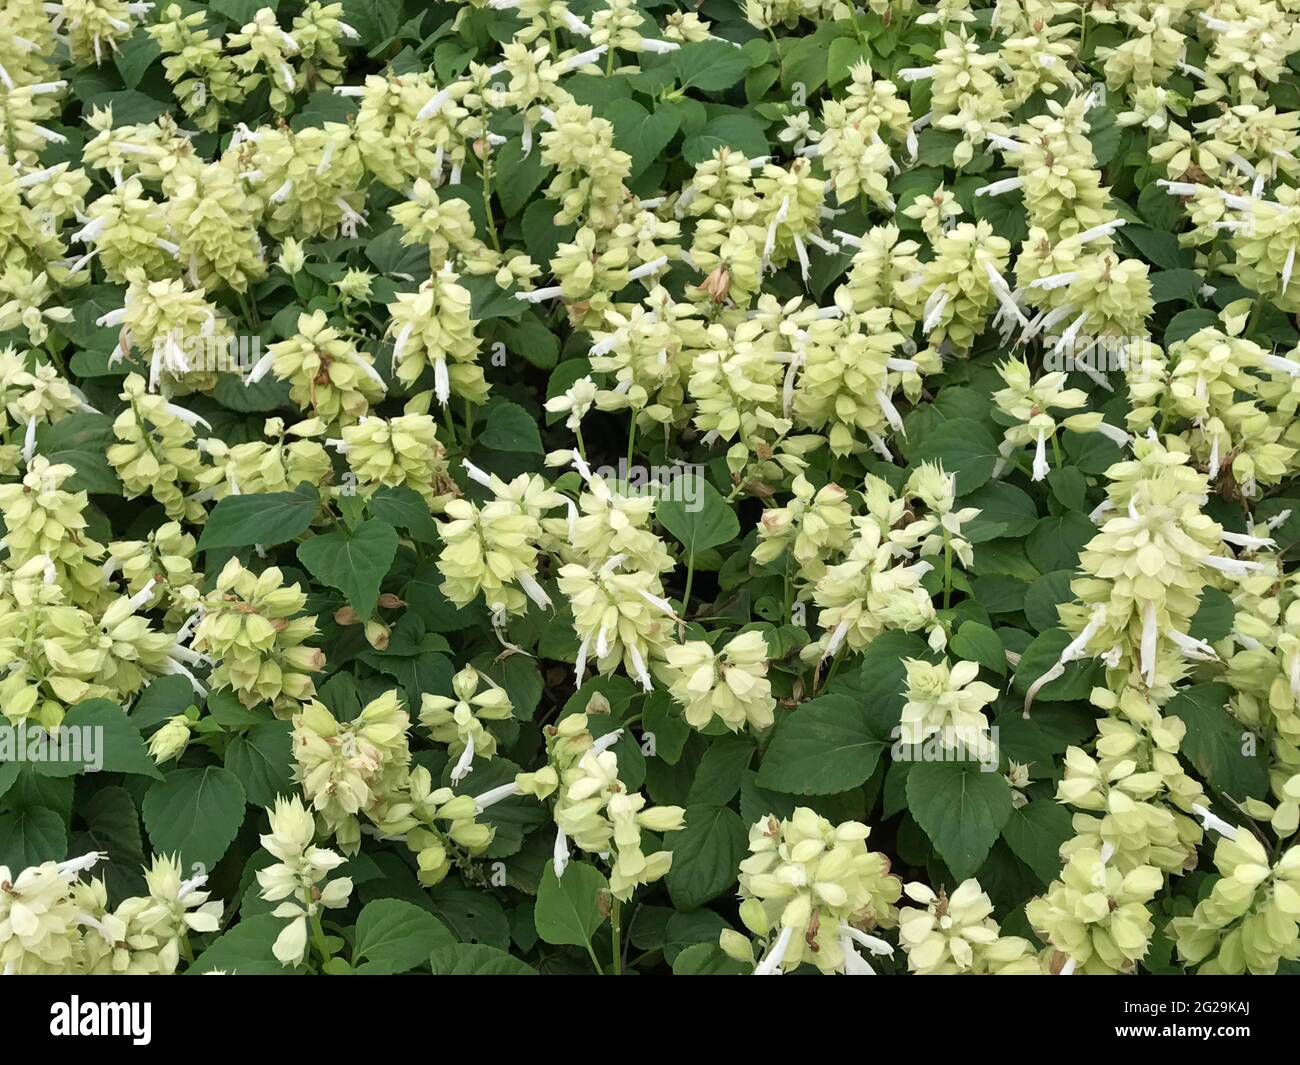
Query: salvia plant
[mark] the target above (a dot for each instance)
(634, 486)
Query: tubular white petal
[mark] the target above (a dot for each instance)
(771, 963)
(1041, 466)
(495, 795)
(1254, 543)
(532, 589)
(580, 666)
(540, 295)
(1233, 567)
(465, 763)
(1193, 648)
(1210, 820)
(583, 58)
(997, 188)
(1150, 636)
(560, 853)
(1114, 434)
(646, 269)
(605, 742)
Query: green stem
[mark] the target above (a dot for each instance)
(631, 442)
(451, 426)
(487, 195)
(947, 571)
(1256, 313)
(690, 577)
(617, 929)
(317, 930)
(594, 960)
(582, 447)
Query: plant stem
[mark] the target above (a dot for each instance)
(690, 576)
(1255, 313)
(487, 195)
(947, 571)
(451, 426)
(594, 960)
(616, 928)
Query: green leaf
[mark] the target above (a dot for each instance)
(1069, 486)
(1044, 595)
(705, 854)
(965, 448)
(489, 300)
(978, 643)
(533, 340)
(113, 826)
(262, 759)
(709, 65)
(164, 697)
(475, 959)
(245, 950)
(642, 134)
(374, 20)
(1005, 510)
(195, 813)
(1041, 655)
(80, 441)
(1168, 285)
(1183, 324)
(568, 908)
(822, 747)
(266, 518)
(717, 780)
(1229, 757)
(241, 12)
(707, 959)
(737, 131)
(701, 523)
(118, 745)
(355, 562)
(134, 56)
(511, 428)
(662, 720)
(961, 808)
(844, 54)
(517, 175)
(1056, 542)
(1213, 618)
(395, 936)
(541, 235)
(31, 836)
(404, 508)
(1035, 833)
